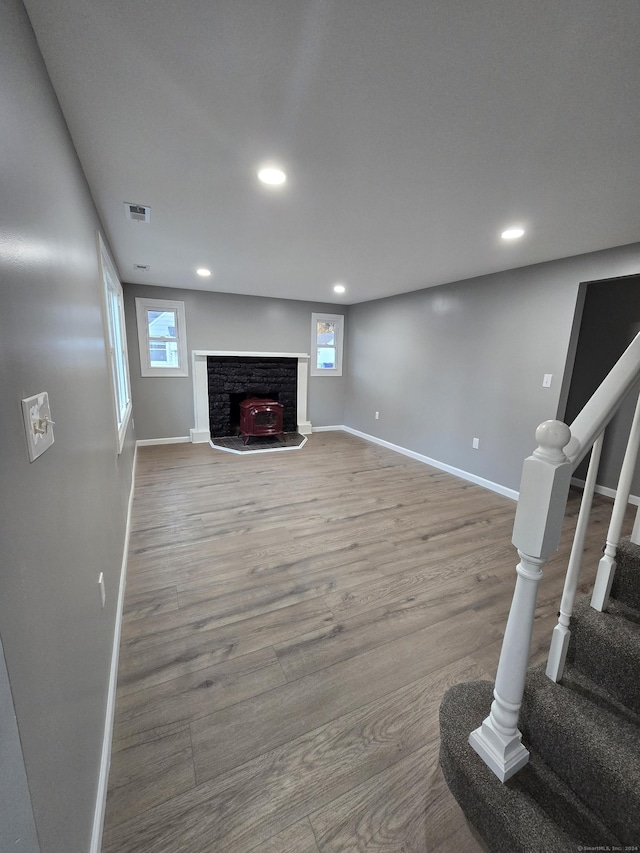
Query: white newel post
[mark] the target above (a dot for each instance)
(546, 477)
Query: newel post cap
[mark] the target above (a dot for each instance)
(552, 436)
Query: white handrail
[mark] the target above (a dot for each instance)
(604, 403)
(546, 477)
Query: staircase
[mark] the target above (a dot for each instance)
(555, 765)
(581, 787)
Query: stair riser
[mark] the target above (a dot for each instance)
(626, 581)
(607, 659)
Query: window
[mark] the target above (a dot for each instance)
(116, 337)
(326, 344)
(162, 337)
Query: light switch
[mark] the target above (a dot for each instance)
(546, 380)
(38, 424)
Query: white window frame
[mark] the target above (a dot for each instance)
(338, 319)
(116, 340)
(142, 306)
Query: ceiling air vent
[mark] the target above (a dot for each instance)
(142, 267)
(137, 212)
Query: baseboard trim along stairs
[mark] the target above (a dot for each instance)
(581, 787)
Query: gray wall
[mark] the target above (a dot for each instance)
(63, 516)
(466, 360)
(610, 320)
(225, 321)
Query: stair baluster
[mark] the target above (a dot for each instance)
(635, 533)
(607, 565)
(562, 633)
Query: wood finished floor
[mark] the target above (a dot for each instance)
(291, 622)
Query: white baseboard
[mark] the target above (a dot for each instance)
(442, 466)
(180, 439)
(606, 491)
(105, 759)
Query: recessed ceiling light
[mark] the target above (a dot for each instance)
(205, 273)
(339, 288)
(512, 233)
(273, 176)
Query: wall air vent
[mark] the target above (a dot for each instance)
(137, 212)
(142, 267)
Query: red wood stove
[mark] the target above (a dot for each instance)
(261, 417)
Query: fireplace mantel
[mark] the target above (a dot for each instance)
(200, 433)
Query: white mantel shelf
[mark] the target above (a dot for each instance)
(200, 433)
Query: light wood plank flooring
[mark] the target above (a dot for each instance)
(291, 623)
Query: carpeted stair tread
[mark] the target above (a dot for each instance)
(606, 647)
(626, 581)
(593, 749)
(534, 811)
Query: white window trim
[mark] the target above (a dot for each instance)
(338, 319)
(142, 306)
(111, 285)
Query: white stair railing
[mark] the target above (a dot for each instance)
(607, 566)
(544, 488)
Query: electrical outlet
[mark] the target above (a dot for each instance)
(476, 443)
(377, 416)
(546, 380)
(103, 594)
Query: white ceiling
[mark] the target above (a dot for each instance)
(413, 132)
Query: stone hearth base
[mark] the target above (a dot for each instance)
(258, 444)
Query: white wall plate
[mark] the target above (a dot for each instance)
(38, 424)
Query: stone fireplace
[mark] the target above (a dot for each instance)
(233, 379)
(232, 376)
